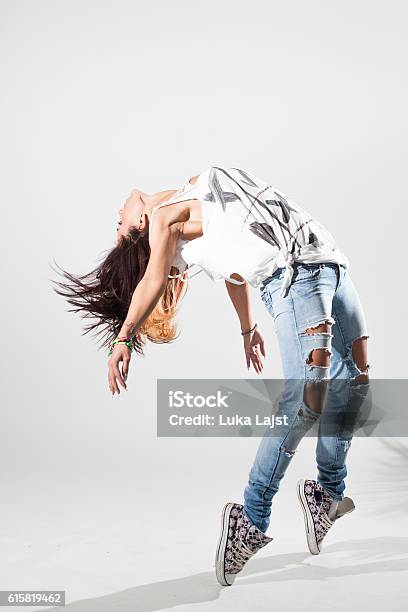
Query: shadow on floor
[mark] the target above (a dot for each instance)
(366, 556)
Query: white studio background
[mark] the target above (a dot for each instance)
(103, 97)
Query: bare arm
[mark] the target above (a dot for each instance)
(163, 242)
(253, 342)
(240, 299)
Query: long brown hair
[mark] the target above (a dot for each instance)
(105, 293)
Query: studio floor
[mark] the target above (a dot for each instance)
(142, 544)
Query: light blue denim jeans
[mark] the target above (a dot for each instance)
(319, 293)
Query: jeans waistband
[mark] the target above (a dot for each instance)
(296, 264)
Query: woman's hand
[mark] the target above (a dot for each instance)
(120, 353)
(254, 347)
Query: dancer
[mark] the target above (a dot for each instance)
(240, 229)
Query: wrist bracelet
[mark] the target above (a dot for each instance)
(247, 333)
(121, 340)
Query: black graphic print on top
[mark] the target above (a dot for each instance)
(217, 194)
(265, 211)
(227, 196)
(252, 228)
(264, 231)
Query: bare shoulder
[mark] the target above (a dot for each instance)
(171, 213)
(171, 217)
(193, 180)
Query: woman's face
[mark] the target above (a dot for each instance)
(130, 213)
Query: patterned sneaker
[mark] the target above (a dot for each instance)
(239, 541)
(320, 511)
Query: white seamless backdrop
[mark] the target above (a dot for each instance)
(103, 97)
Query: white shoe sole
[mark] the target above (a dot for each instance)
(309, 524)
(223, 578)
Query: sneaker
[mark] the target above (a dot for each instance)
(239, 541)
(320, 511)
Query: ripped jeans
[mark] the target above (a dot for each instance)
(321, 331)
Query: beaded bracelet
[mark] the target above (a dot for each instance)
(249, 332)
(121, 340)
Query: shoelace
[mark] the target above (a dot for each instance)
(323, 518)
(243, 553)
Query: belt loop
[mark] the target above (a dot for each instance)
(338, 276)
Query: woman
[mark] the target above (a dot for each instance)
(239, 229)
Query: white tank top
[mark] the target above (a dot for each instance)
(249, 227)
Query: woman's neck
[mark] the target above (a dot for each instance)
(162, 196)
(154, 199)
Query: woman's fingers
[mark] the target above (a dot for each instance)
(118, 376)
(114, 376)
(125, 367)
(257, 364)
(255, 359)
(113, 385)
